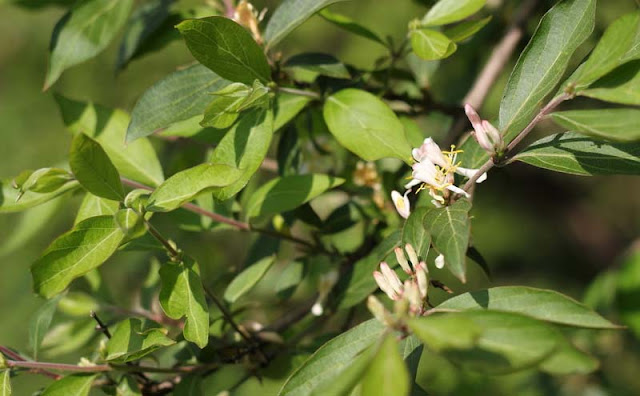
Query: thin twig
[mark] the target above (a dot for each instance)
(16, 357)
(101, 368)
(101, 326)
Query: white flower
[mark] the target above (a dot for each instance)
(401, 203)
(439, 262)
(487, 135)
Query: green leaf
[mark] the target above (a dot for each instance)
(141, 26)
(93, 206)
(508, 342)
(355, 286)
(540, 67)
(628, 284)
(286, 107)
(244, 147)
(84, 32)
(179, 96)
(89, 244)
(39, 324)
(247, 279)
(223, 111)
(348, 24)
(136, 160)
(30, 224)
(289, 15)
(620, 43)
(289, 279)
(318, 63)
(619, 125)
(9, 195)
(423, 71)
(69, 336)
(226, 48)
(189, 385)
(286, 193)
(181, 295)
(365, 125)
(449, 11)
(132, 339)
(387, 374)
(568, 360)
(450, 229)
(186, 185)
(92, 167)
(77, 304)
(44, 180)
(620, 86)
(541, 304)
(5, 383)
(331, 359)
(430, 44)
(349, 378)
(579, 155)
(415, 233)
(446, 331)
(464, 30)
(71, 385)
(128, 386)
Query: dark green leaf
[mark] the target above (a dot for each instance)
(244, 147)
(190, 385)
(331, 359)
(540, 67)
(226, 48)
(39, 324)
(541, 304)
(289, 279)
(620, 86)
(286, 193)
(430, 44)
(365, 125)
(387, 374)
(92, 167)
(247, 279)
(135, 160)
(619, 44)
(579, 155)
(89, 244)
(318, 63)
(415, 233)
(289, 15)
(450, 229)
(620, 125)
(465, 30)
(178, 97)
(359, 283)
(71, 385)
(446, 331)
(186, 185)
(351, 26)
(448, 11)
(628, 289)
(349, 378)
(83, 33)
(181, 295)
(132, 339)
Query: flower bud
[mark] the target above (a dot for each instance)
(384, 285)
(401, 203)
(391, 277)
(377, 309)
(422, 277)
(413, 257)
(402, 260)
(439, 262)
(413, 295)
(317, 309)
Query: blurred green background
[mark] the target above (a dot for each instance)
(534, 227)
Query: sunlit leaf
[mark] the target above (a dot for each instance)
(464, 30)
(94, 170)
(448, 11)
(132, 339)
(348, 24)
(620, 86)
(620, 125)
(247, 279)
(430, 44)
(387, 374)
(93, 206)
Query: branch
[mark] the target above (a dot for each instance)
(102, 368)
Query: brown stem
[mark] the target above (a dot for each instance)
(102, 368)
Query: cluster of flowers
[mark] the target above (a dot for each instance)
(434, 169)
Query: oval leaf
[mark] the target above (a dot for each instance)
(541, 304)
(39, 324)
(92, 167)
(567, 360)
(579, 155)
(387, 374)
(132, 339)
(93, 206)
(286, 193)
(89, 244)
(448, 11)
(226, 48)
(71, 385)
(415, 233)
(446, 331)
(429, 44)
(247, 279)
(621, 125)
(365, 125)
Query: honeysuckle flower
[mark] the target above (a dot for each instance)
(439, 262)
(401, 202)
(487, 135)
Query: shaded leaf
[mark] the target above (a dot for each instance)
(540, 67)
(71, 385)
(620, 86)
(227, 48)
(387, 374)
(89, 244)
(464, 30)
(567, 359)
(448, 11)
(348, 24)
(132, 339)
(180, 96)
(182, 294)
(450, 229)
(430, 44)
(40, 322)
(628, 290)
(247, 279)
(92, 167)
(84, 32)
(289, 15)
(621, 125)
(286, 193)
(331, 359)
(318, 63)
(579, 155)
(446, 331)
(415, 233)
(365, 125)
(541, 304)
(186, 185)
